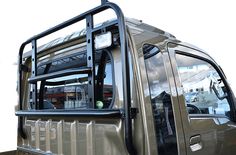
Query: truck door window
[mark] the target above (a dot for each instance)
(203, 88)
(71, 92)
(160, 100)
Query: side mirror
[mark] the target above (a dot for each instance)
(218, 90)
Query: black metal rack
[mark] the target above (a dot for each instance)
(89, 70)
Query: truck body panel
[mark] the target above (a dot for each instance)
(145, 93)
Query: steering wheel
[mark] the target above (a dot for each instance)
(195, 108)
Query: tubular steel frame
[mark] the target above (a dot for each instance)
(88, 16)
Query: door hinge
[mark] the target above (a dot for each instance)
(133, 113)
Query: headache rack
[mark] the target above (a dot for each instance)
(125, 113)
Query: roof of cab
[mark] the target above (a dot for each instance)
(140, 31)
(144, 33)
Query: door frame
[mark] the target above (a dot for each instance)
(193, 52)
(173, 92)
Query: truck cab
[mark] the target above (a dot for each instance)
(122, 87)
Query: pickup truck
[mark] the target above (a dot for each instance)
(121, 87)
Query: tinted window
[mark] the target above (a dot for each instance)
(203, 89)
(161, 101)
(71, 92)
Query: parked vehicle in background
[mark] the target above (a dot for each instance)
(191, 97)
(122, 87)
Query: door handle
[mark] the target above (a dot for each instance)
(195, 143)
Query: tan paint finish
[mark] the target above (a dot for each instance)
(73, 136)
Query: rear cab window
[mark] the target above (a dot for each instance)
(71, 91)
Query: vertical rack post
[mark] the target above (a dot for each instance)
(90, 60)
(90, 63)
(104, 1)
(34, 73)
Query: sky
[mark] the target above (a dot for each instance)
(208, 24)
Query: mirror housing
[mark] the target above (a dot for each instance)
(220, 91)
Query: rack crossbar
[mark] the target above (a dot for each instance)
(59, 74)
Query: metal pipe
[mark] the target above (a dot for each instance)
(125, 65)
(104, 1)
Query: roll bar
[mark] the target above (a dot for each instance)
(120, 21)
